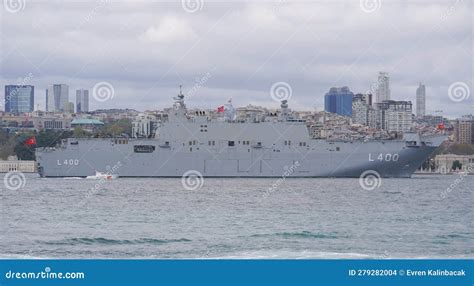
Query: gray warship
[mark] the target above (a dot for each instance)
(279, 145)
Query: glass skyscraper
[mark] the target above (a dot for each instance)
(19, 98)
(339, 100)
(57, 97)
(82, 100)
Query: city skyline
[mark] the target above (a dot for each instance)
(159, 46)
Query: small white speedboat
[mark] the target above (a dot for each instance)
(102, 176)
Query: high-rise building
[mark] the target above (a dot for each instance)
(362, 110)
(57, 96)
(19, 98)
(420, 101)
(82, 100)
(464, 130)
(339, 100)
(383, 87)
(394, 115)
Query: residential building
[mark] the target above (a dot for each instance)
(19, 98)
(464, 130)
(82, 100)
(362, 110)
(394, 116)
(339, 101)
(57, 95)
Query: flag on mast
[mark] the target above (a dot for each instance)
(30, 141)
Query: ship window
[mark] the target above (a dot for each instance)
(143, 148)
(213, 143)
(231, 143)
(289, 142)
(190, 143)
(338, 148)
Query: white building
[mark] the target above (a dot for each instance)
(420, 101)
(444, 163)
(13, 164)
(383, 87)
(394, 116)
(144, 125)
(57, 97)
(82, 100)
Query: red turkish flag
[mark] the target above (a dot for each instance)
(30, 141)
(220, 109)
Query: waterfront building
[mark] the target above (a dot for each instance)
(444, 163)
(13, 164)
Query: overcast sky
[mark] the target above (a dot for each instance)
(239, 50)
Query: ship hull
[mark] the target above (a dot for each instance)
(320, 158)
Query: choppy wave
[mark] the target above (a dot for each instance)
(302, 234)
(101, 240)
(283, 254)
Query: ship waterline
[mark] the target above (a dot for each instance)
(280, 146)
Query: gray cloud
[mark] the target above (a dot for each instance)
(146, 49)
